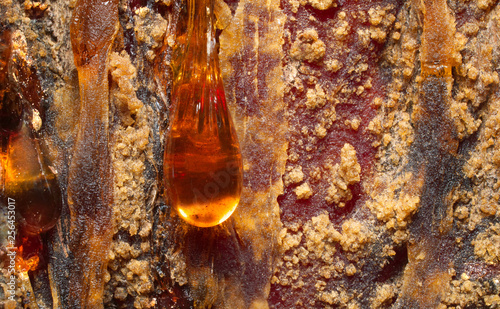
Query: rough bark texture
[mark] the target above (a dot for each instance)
(370, 153)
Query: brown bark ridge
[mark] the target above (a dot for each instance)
(369, 136)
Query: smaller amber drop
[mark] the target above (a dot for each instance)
(30, 182)
(29, 249)
(202, 163)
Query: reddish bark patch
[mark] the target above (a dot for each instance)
(354, 83)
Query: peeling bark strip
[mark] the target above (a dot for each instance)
(93, 28)
(435, 163)
(251, 54)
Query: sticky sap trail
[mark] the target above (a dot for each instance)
(435, 164)
(93, 29)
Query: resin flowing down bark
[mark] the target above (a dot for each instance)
(93, 28)
(345, 236)
(28, 180)
(26, 175)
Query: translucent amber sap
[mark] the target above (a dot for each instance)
(202, 163)
(28, 179)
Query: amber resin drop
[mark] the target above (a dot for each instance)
(202, 163)
(30, 182)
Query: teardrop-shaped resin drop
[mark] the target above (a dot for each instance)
(202, 162)
(29, 180)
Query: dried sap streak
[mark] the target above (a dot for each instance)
(202, 163)
(436, 163)
(93, 29)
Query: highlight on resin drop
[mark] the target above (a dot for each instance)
(30, 181)
(202, 162)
